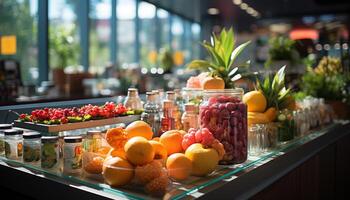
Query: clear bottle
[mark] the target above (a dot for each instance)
(151, 114)
(170, 95)
(50, 155)
(14, 144)
(3, 127)
(158, 100)
(189, 118)
(31, 147)
(167, 121)
(72, 155)
(179, 100)
(133, 101)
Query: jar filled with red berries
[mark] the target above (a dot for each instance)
(225, 115)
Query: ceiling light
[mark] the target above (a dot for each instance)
(244, 6)
(237, 2)
(213, 11)
(250, 10)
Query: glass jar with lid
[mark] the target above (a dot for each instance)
(151, 113)
(13, 144)
(257, 139)
(31, 147)
(287, 127)
(72, 154)
(3, 127)
(92, 141)
(225, 115)
(132, 100)
(190, 117)
(50, 155)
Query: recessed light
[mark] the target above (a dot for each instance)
(244, 6)
(213, 11)
(237, 2)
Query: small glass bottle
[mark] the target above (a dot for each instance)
(179, 100)
(31, 147)
(151, 114)
(170, 95)
(133, 101)
(72, 155)
(93, 141)
(190, 117)
(158, 100)
(167, 120)
(3, 127)
(13, 144)
(50, 155)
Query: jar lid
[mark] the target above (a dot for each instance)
(155, 92)
(5, 126)
(170, 95)
(73, 139)
(150, 96)
(49, 139)
(13, 132)
(190, 107)
(31, 135)
(93, 132)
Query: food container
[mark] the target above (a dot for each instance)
(225, 115)
(72, 154)
(272, 135)
(93, 141)
(286, 127)
(192, 95)
(13, 144)
(3, 127)
(257, 139)
(189, 118)
(50, 156)
(31, 147)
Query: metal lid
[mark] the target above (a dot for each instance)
(190, 107)
(49, 139)
(156, 92)
(73, 139)
(93, 132)
(150, 96)
(170, 95)
(13, 132)
(168, 104)
(31, 135)
(5, 126)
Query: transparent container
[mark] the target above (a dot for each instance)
(225, 115)
(257, 139)
(31, 147)
(272, 135)
(170, 95)
(92, 141)
(167, 122)
(3, 127)
(72, 155)
(132, 100)
(50, 155)
(189, 118)
(192, 95)
(287, 126)
(14, 144)
(151, 113)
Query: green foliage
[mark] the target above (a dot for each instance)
(166, 59)
(223, 53)
(282, 48)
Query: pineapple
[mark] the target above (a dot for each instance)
(222, 54)
(275, 91)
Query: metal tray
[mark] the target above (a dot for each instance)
(74, 126)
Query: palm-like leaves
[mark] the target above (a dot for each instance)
(223, 53)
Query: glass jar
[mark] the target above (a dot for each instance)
(13, 144)
(286, 127)
(225, 115)
(31, 147)
(272, 135)
(189, 118)
(151, 113)
(167, 121)
(3, 127)
(93, 141)
(50, 155)
(192, 95)
(72, 155)
(257, 139)
(133, 101)
(170, 95)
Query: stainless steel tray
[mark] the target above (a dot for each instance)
(74, 126)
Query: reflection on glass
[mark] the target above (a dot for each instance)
(19, 18)
(163, 17)
(196, 38)
(100, 30)
(177, 29)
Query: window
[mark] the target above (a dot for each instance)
(163, 17)
(126, 13)
(63, 33)
(100, 31)
(147, 33)
(177, 29)
(19, 18)
(187, 41)
(196, 39)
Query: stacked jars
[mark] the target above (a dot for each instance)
(31, 147)
(13, 144)
(225, 115)
(3, 127)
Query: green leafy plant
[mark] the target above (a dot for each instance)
(222, 53)
(274, 90)
(282, 48)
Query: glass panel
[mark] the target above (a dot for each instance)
(177, 29)
(100, 31)
(126, 13)
(63, 33)
(164, 24)
(147, 14)
(187, 41)
(196, 39)
(19, 18)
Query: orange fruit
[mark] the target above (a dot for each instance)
(271, 114)
(160, 151)
(139, 151)
(117, 153)
(117, 171)
(179, 166)
(158, 186)
(148, 172)
(103, 151)
(139, 128)
(172, 141)
(156, 139)
(213, 83)
(255, 101)
(94, 166)
(116, 137)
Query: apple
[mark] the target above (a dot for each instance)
(204, 160)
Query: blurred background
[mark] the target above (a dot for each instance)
(72, 49)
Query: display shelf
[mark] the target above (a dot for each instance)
(191, 187)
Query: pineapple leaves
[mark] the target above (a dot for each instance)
(199, 65)
(236, 52)
(217, 60)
